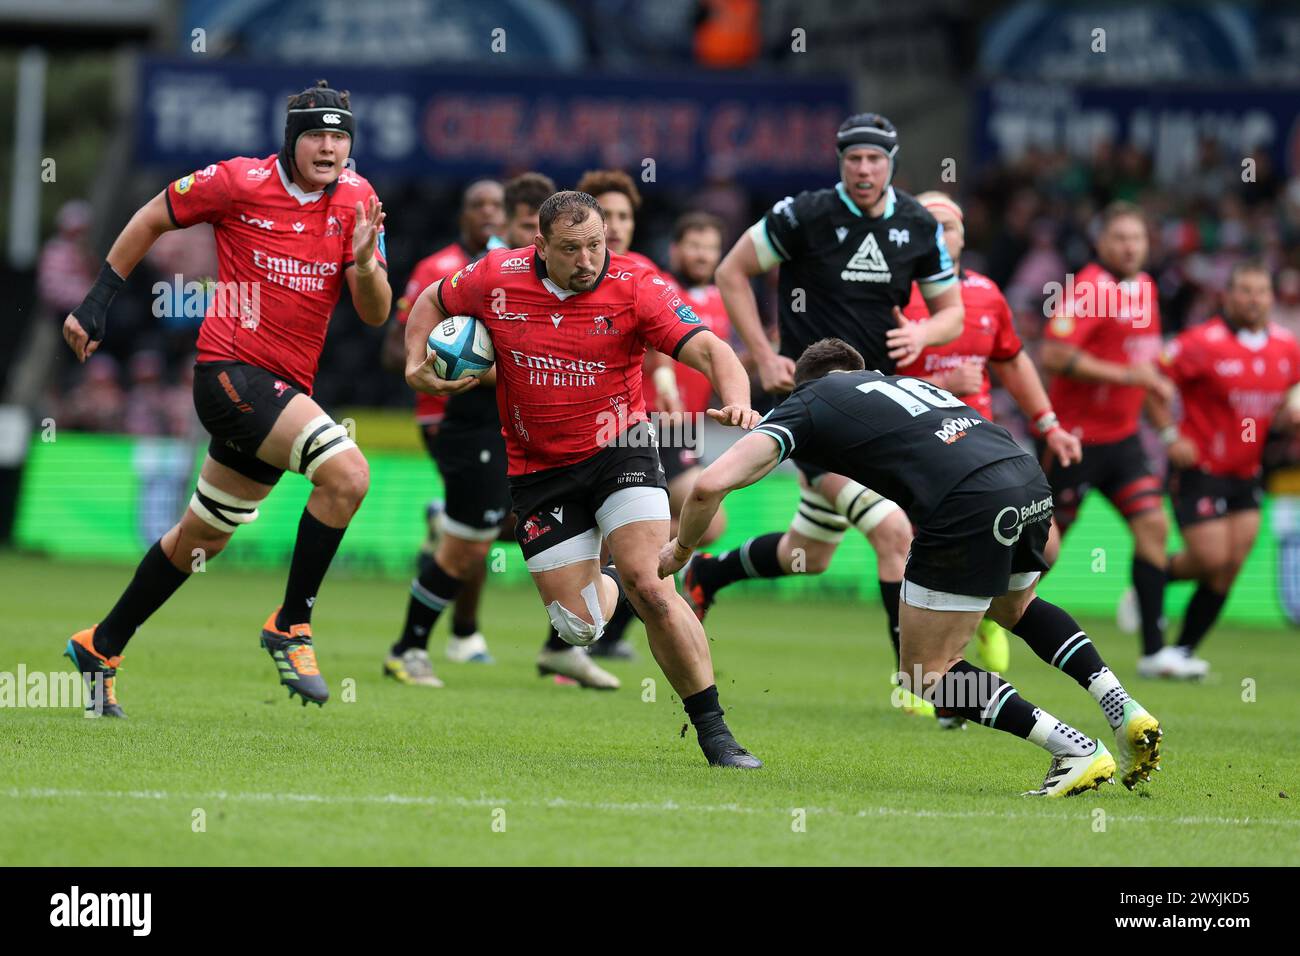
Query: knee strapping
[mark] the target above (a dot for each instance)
(862, 507)
(222, 510)
(572, 628)
(320, 440)
(818, 519)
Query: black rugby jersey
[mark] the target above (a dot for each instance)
(911, 441)
(842, 272)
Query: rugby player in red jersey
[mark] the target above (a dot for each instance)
(570, 324)
(1102, 346)
(1233, 373)
(988, 339)
(464, 441)
(291, 230)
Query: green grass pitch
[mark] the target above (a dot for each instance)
(503, 767)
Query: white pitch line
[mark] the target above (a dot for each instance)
(667, 806)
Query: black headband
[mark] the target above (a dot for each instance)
(868, 134)
(334, 115)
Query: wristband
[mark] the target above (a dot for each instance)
(93, 311)
(1169, 434)
(678, 547)
(665, 380)
(363, 271)
(1046, 421)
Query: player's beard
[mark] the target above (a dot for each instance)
(583, 284)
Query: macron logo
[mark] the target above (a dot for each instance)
(103, 909)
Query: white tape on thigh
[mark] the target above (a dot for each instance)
(320, 440)
(627, 505)
(221, 509)
(581, 547)
(918, 595)
(818, 519)
(862, 507)
(572, 628)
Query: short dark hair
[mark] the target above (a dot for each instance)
(1248, 265)
(570, 204)
(528, 189)
(1119, 209)
(825, 356)
(307, 99)
(693, 221)
(597, 182)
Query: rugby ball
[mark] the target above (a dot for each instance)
(461, 346)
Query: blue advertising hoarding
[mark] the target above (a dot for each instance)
(1169, 124)
(767, 132)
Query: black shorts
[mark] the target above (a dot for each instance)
(992, 525)
(1119, 470)
(678, 449)
(1199, 496)
(239, 404)
(560, 504)
(472, 461)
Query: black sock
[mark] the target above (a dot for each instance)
(1149, 583)
(1202, 611)
(705, 711)
(431, 592)
(967, 691)
(312, 554)
(889, 594)
(555, 643)
(756, 558)
(156, 579)
(1056, 637)
(617, 624)
(462, 629)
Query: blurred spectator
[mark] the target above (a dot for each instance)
(147, 400)
(728, 33)
(67, 268)
(96, 403)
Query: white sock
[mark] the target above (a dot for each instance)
(1107, 691)
(1058, 739)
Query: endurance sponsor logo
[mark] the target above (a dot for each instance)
(74, 909)
(1010, 522)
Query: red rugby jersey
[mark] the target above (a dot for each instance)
(568, 364)
(1113, 321)
(988, 334)
(693, 386)
(281, 254)
(1232, 383)
(429, 409)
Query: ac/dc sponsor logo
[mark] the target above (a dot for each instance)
(233, 393)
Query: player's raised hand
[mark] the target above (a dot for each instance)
(423, 378)
(1065, 446)
(776, 374)
(365, 234)
(78, 339)
(905, 342)
(738, 416)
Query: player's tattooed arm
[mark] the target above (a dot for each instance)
(425, 314)
(709, 354)
(776, 372)
(742, 464)
(367, 279)
(84, 327)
